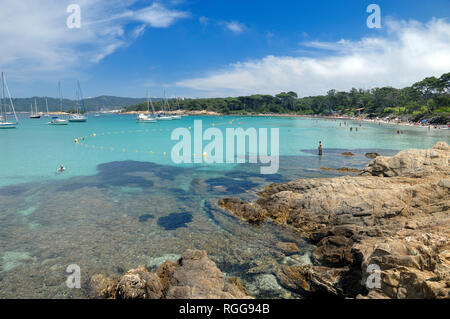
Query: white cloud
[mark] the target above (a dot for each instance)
(35, 41)
(235, 26)
(159, 17)
(407, 52)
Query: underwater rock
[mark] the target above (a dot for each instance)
(266, 285)
(145, 217)
(194, 275)
(371, 155)
(175, 220)
(13, 259)
(347, 154)
(158, 261)
(287, 248)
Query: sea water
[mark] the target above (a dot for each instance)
(122, 202)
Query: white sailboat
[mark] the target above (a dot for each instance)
(147, 118)
(46, 107)
(97, 114)
(55, 119)
(4, 123)
(78, 117)
(176, 116)
(34, 114)
(162, 116)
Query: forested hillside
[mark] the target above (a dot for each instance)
(429, 97)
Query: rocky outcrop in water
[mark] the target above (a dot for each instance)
(193, 276)
(383, 234)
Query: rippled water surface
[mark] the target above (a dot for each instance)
(123, 203)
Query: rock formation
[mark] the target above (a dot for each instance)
(383, 234)
(193, 276)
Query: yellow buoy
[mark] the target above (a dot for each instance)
(94, 135)
(204, 154)
(76, 141)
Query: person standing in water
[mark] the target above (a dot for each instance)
(320, 148)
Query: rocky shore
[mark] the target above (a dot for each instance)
(382, 234)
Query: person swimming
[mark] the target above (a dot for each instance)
(61, 168)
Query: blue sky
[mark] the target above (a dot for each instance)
(203, 48)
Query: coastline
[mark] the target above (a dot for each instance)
(393, 217)
(287, 115)
(381, 235)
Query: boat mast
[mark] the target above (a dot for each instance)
(80, 95)
(77, 94)
(60, 96)
(151, 103)
(3, 102)
(148, 103)
(5, 85)
(46, 104)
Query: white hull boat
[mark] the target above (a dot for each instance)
(7, 107)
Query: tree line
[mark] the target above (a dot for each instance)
(429, 97)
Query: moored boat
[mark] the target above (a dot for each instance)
(146, 118)
(4, 122)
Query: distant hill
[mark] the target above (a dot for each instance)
(92, 104)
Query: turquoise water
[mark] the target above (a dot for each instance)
(122, 202)
(35, 150)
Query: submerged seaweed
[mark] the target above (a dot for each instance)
(145, 217)
(175, 220)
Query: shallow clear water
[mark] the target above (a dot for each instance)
(123, 203)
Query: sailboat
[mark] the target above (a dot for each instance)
(176, 116)
(4, 123)
(78, 117)
(162, 116)
(55, 119)
(34, 114)
(97, 114)
(46, 107)
(144, 118)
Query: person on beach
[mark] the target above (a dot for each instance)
(320, 148)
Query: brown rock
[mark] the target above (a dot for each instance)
(250, 212)
(287, 247)
(372, 155)
(400, 223)
(102, 287)
(347, 154)
(193, 276)
(349, 170)
(139, 284)
(198, 277)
